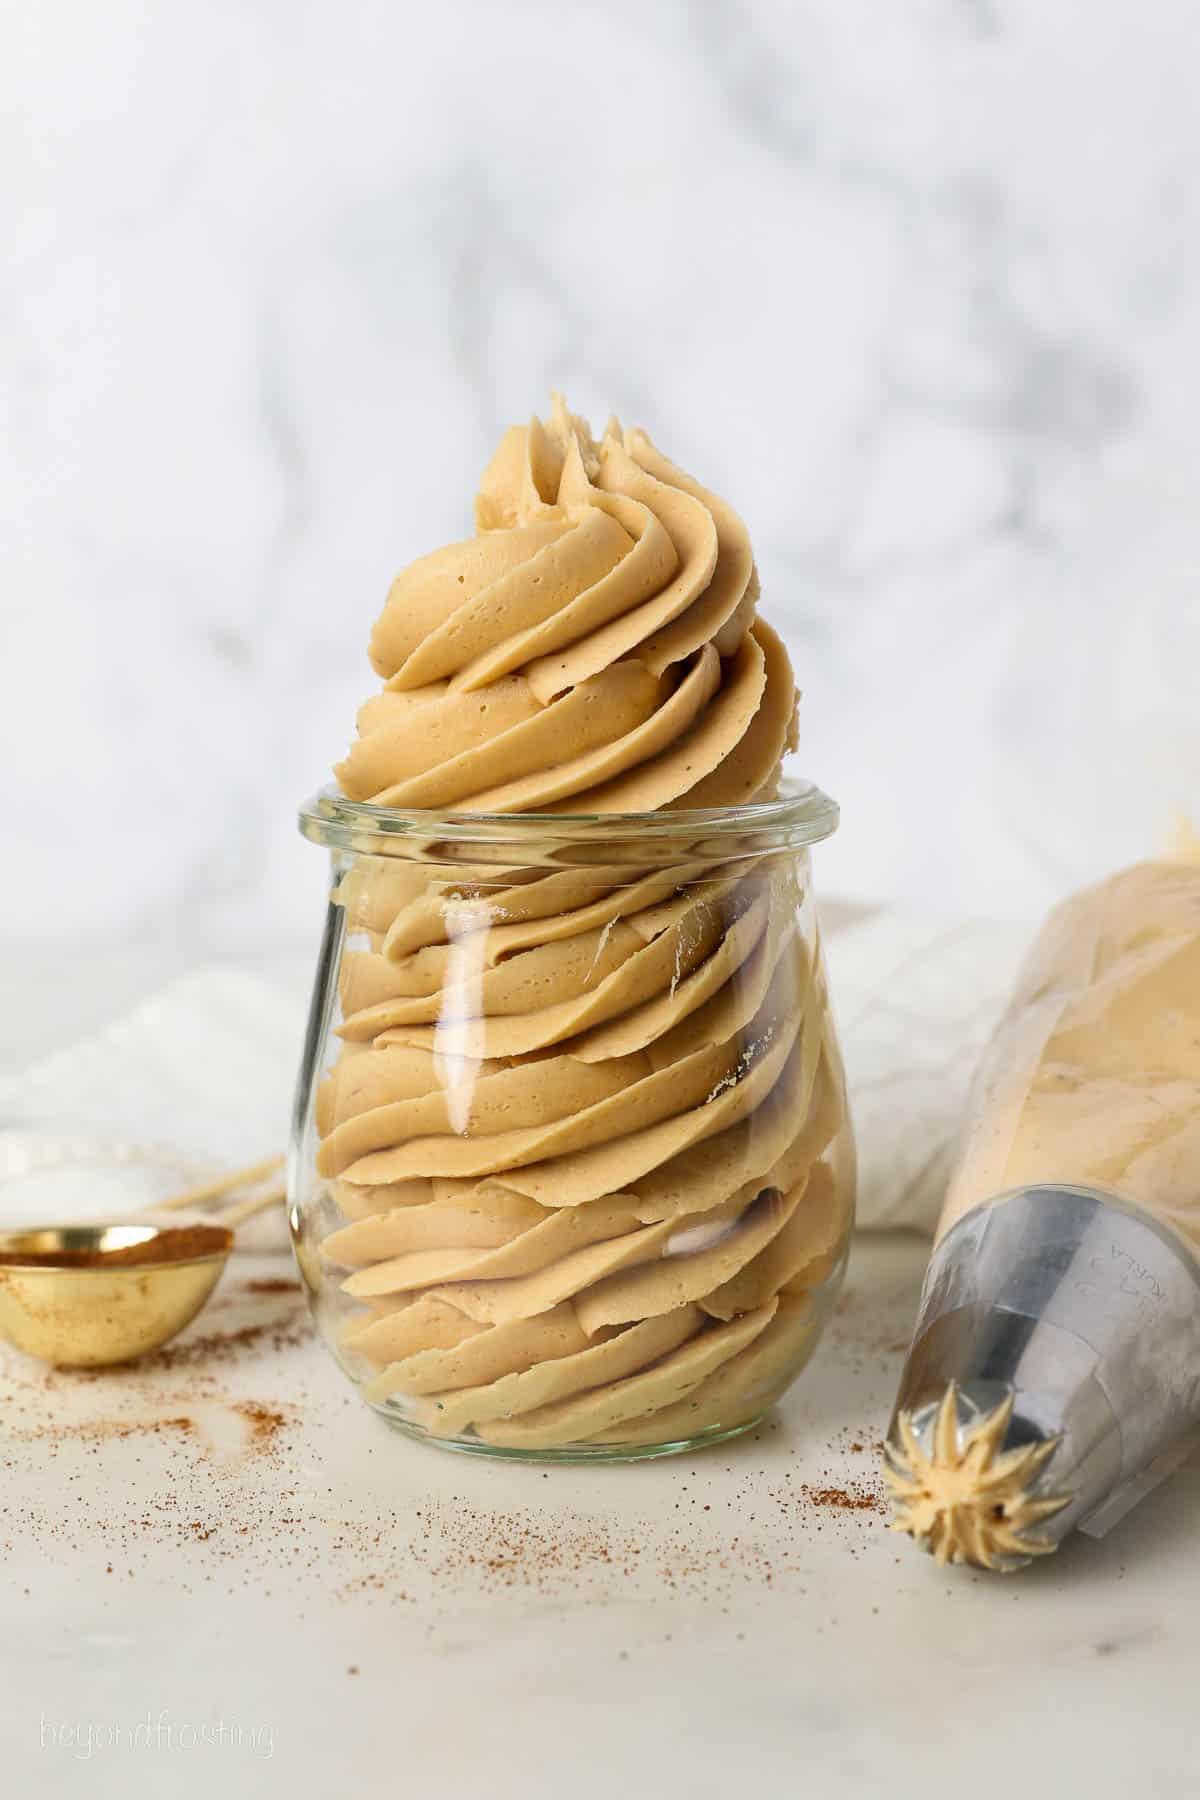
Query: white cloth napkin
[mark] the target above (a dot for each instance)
(915, 1000)
(195, 1081)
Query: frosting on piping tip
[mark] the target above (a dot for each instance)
(966, 1499)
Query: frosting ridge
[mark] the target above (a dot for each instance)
(595, 647)
(585, 1135)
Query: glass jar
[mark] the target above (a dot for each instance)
(572, 1174)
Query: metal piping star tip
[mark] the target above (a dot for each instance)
(963, 1492)
(1052, 1376)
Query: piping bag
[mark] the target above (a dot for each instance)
(1054, 1373)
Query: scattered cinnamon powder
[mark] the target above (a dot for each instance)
(264, 1421)
(284, 1333)
(273, 1284)
(122, 1428)
(845, 1499)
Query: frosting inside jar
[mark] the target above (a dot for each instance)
(586, 1128)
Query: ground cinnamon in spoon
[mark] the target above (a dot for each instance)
(180, 1244)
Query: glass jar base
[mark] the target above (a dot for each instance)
(762, 1399)
(571, 1453)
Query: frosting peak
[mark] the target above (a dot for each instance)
(594, 648)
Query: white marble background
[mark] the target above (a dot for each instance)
(917, 284)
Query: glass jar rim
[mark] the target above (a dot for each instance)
(800, 815)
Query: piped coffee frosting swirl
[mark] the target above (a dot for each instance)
(593, 649)
(583, 1133)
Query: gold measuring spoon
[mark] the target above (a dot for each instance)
(85, 1296)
